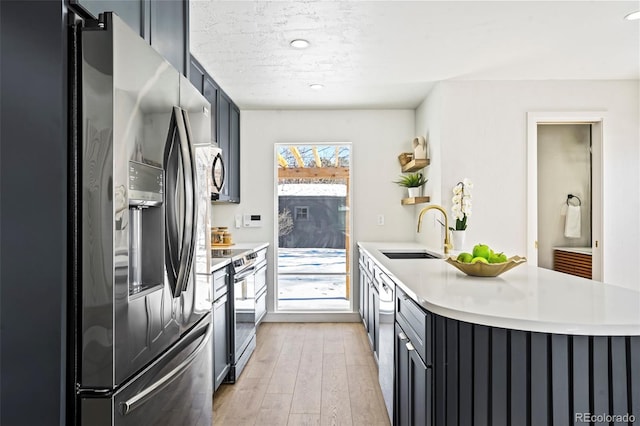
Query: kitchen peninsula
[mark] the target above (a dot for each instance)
(532, 346)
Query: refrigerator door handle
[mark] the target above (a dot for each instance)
(176, 157)
(148, 393)
(191, 211)
(172, 245)
(187, 170)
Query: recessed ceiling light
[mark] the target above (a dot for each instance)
(299, 43)
(316, 86)
(633, 16)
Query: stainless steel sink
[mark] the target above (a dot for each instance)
(422, 254)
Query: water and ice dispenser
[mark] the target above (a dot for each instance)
(146, 226)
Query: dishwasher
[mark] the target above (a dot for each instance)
(386, 288)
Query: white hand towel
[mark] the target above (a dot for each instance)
(572, 222)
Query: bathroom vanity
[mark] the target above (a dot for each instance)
(573, 260)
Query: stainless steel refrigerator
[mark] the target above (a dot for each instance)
(143, 328)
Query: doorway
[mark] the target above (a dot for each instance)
(565, 192)
(313, 227)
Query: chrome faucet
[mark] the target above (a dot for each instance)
(447, 241)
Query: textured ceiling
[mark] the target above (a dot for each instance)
(388, 54)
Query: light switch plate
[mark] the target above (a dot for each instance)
(238, 220)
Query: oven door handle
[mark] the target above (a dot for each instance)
(244, 274)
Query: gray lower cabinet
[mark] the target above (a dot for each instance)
(221, 327)
(373, 318)
(369, 302)
(261, 285)
(413, 379)
(364, 294)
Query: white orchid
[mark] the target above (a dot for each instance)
(461, 203)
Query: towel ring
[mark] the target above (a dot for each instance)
(570, 196)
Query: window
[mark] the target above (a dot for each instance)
(302, 213)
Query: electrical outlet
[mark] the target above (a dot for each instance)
(238, 221)
(380, 220)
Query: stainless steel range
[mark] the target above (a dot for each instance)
(243, 294)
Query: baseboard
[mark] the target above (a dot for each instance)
(312, 317)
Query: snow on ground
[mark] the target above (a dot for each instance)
(310, 261)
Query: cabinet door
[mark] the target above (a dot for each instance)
(376, 321)
(420, 404)
(210, 92)
(169, 31)
(130, 12)
(221, 355)
(401, 409)
(363, 293)
(196, 76)
(364, 289)
(224, 110)
(371, 322)
(234, 154)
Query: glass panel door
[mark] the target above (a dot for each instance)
(313, 256)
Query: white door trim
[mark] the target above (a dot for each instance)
(567, 117)
(278, 315)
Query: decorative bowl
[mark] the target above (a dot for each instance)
(480, 269)
(405, 158)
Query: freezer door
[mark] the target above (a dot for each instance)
(175, 390)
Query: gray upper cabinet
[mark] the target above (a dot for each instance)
(169, 31)
(132, 12)
(162, 23)
(225, 128)
(233, 175)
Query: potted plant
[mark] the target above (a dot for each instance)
(413, 182)
(461, 209)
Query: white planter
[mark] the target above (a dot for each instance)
(457, 239)
(415, 192)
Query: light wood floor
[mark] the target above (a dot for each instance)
(305, 374)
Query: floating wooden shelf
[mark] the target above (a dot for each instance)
(415, 165)
(414, 200)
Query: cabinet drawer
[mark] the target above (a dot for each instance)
(416, 323)
(220, 283)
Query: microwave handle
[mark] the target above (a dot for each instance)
(218, 160)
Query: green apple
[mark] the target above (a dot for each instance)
(481, 250)
(464, 257)
(498, 258)
(479, 259)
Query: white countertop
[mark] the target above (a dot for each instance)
(220, 262)
(250, 246)
(524, 298)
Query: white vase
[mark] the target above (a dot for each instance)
(457, 239)
(415, 192)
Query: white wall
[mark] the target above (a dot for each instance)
(483, 136)
(377, 138)
(429, 124)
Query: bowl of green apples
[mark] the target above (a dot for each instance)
(484, 262)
